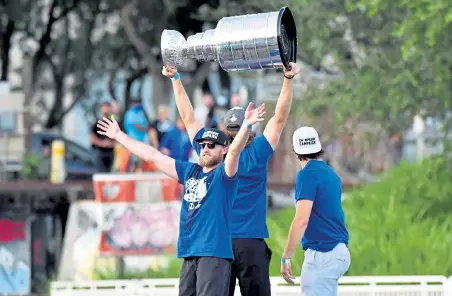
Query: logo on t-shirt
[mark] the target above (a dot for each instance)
(195, 191)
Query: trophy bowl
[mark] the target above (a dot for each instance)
(238, 43)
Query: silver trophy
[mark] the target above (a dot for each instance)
(238, 43)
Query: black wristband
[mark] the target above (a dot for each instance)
(288, 77)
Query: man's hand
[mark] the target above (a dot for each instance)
(286, 273)
(169, 71)
(252, 116)
(109, 128)
(291, 71)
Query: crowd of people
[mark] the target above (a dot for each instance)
(168, 136)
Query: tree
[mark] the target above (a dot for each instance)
(389, 73)
(144, 22)
(386, 62)
(51, 44)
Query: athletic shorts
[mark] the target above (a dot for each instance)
(205, 276)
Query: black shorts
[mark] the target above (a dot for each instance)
(251, 267)
(205, 276)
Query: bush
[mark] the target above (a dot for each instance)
(400, 225)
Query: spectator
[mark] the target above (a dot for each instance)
(102, 145)
(176, 143)
(136, 126)
(236, 101)
(135, 122)
(212, 120)
(160, 126)
(204, 113)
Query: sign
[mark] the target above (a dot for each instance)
(139, 229)
(143, 187)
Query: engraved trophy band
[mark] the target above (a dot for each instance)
(238, 43)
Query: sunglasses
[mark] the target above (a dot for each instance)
(208, 145)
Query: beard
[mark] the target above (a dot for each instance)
(209, 162)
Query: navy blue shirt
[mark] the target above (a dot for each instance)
(205, 217)
(326, 227)
(249, 212)
(178, 143)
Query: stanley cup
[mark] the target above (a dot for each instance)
(238, 43)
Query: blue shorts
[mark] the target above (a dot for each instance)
(321, 271)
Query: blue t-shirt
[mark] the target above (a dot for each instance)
(326, 227)
(135, 116)
(249, 212)
(205, 217)
(178, 143)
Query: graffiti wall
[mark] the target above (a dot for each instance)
(15, 271)
(139, 229)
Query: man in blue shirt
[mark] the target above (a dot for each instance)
(319, 220)
(135, 122)
(210, 188)
(136, 126)
(176, 143)
(249, 213)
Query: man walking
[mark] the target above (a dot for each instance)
(319, 220)
(249, 228)
(205, 240)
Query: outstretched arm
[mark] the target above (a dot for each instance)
(183, 103)
(166, 164)
(252, 116)
(276, 124)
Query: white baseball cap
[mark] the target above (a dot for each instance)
(306, 141)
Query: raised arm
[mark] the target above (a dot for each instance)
(183, 103)
(231, 163)
(275, 125)
(111, 129)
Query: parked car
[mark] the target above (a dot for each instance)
(80, 161)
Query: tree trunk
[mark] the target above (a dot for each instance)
(5, 47)
(54, 118)
(27, 75)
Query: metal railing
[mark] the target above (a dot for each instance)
(348, 286)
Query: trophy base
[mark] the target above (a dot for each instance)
(287, 37)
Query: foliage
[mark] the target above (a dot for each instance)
(398, 226)
(393, 59)
(171, 271)
(30, 167)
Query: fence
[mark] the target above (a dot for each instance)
(348, 286)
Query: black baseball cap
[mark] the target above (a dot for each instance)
(215, 136)
(234, 118)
